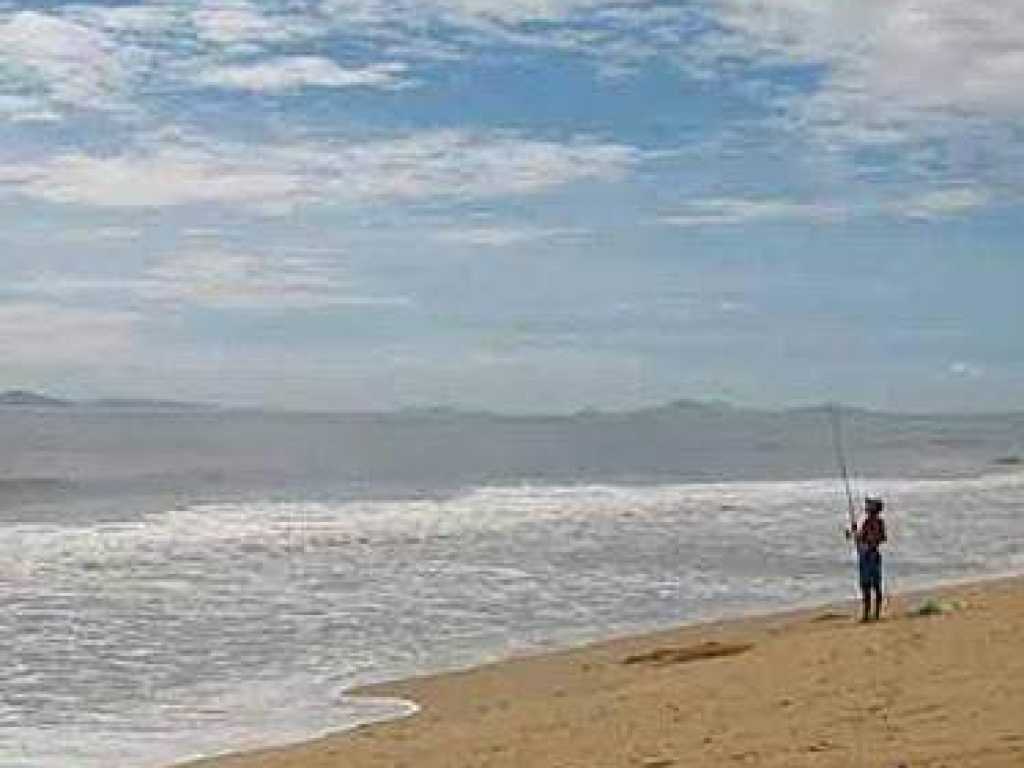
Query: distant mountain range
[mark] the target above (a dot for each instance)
(23, 397)
(673, 410)
(26, 398)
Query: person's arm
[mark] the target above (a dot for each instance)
(881, 532)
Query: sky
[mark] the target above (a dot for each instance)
(519, 205)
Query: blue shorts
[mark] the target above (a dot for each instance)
(870, 562)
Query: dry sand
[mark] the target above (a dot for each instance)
(811, 688)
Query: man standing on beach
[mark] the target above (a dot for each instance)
(869, 537)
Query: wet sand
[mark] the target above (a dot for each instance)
(808, 688)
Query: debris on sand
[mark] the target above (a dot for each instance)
(934, 607)
(710, 650)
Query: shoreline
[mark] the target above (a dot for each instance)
(695, 679)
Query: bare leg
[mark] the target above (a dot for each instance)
(878, 601)
(866, 598)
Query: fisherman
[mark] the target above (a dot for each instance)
(869, 536)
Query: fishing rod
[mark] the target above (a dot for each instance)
(837, 442)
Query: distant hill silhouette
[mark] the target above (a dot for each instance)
(136, 402)
(24, 397)
(678, 410)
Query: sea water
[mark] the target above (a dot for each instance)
(141, 627)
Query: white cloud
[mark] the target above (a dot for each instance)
(502, 237)
(137, 19)
(275, 178)
(884, 71)
(218, 279)
(101, 234)
(615, 38)
(233, 22)
(40, 115)
(733, 307)
(943, 202)
(40, 333)
(467, 12)
(891, 69)
(887, 66)
(202, 233)
(246, 281)
(456, 164)
(293, 72)
(17, 175)
(964, 370)
(27, 109)
(67, 62)
(738, 210)
(165, 177)
(513, 10)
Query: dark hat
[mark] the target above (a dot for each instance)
(873, 504)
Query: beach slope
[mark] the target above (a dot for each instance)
(811, 688)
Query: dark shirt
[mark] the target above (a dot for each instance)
(871, 534)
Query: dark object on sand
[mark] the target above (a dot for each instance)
(710, 650)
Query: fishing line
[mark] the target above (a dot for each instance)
(837, 444)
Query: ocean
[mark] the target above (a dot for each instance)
(183, 583)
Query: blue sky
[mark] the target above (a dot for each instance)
(523, 205)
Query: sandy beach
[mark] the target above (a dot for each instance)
(806, 688)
